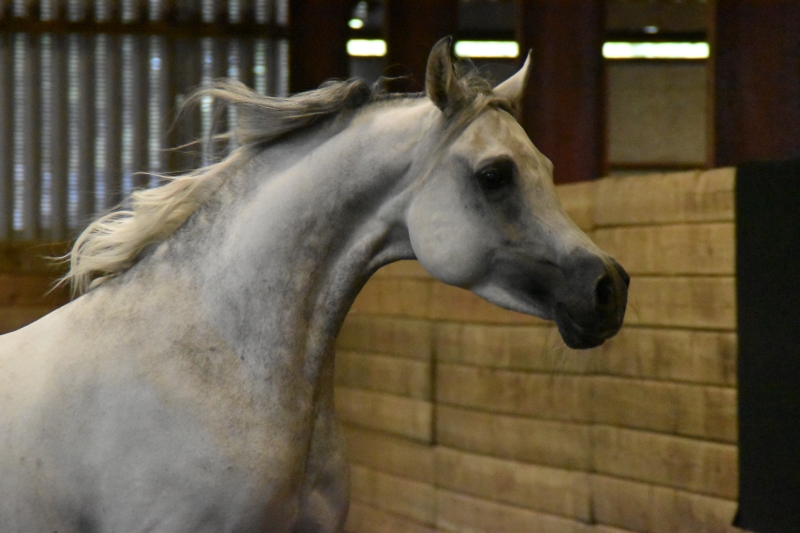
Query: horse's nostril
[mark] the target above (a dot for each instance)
(604, 292)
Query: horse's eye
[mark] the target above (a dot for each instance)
(495, 177)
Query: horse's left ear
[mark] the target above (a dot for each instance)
(441, 83)
(514, 87)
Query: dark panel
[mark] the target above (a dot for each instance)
(319, 42)
(768, 293)
(412, 28)
(757, 80)
(563, 110)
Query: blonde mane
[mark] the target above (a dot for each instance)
(112, 243)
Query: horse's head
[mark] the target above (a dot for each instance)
(486, 216)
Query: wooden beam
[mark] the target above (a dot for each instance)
(319, 42)
(757, 85)
(412, 28)
(563, 109)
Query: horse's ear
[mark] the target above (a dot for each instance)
(513, 88)
(441, 84)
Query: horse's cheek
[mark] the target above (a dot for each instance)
(449, 247)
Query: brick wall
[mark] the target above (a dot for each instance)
(464, 417)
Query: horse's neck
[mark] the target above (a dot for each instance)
(295, 251)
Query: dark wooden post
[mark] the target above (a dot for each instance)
(412, 28)
(564, 106)
(318, 42)
(757, 80)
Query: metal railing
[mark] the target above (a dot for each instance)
(89, 92)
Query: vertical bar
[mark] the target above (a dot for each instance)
(19, 8)
(133, 112)
(234, 72)
(263, 11)
(235, 11)
(79, 189)
(105, 125)
(5, 138)
(563, 109)
(262, 51)
(155, 8)
(48, 9)
(53, 137)
(26, 175)
(184, 77)
(156, 108)
(102, 10)
(76, 10)
(282, 12)
(130, 11)
(282, 78)
(208, 73)
(208, 11)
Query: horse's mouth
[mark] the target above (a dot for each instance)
(581, 337)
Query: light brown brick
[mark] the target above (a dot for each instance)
(675, 355)
(395, 375)
(459, 513)
(400, 297)
(540, 488)
(557, 444)
(404, 497)
(672, 249)
(403, 269)
(578, 201)
(533, 348)
(652, 509)
(688, 302)
(365, 519)
(689, 410)
(391, 336)
(459, 305)
(547, 396)
(699, 466)
(666, 198)
(389, 454)
(402, 416)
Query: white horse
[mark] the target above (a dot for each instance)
(190, 389)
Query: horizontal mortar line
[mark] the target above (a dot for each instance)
(396, 514)
(413, 440)
(588, 374)
(695, 440)
(681, 275)
(656, 484)
(347, 387)
(438, 402)
(363, 353)
(664, 223)
(516, 505)
(711, 384)
(652, 484)
(680, 328)
(592, 424)
(488, 455)
(556, 372)
(374, 468)
(550, 466)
